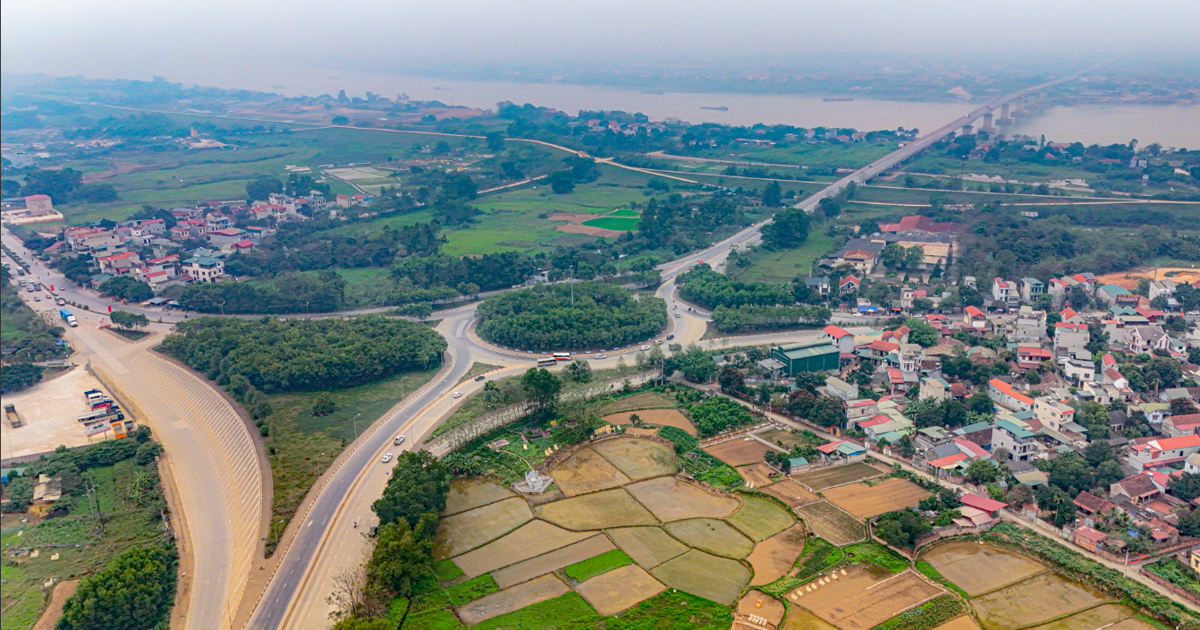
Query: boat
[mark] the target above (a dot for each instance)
(716, 109)
(837, 99)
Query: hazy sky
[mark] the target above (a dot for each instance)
(137, 38)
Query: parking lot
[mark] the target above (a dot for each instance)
(49, 411)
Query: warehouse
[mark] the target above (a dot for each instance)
(810, 356)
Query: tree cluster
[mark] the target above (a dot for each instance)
(126, 288)
(718, 414)
(288, 292)
(66, 186)
(134, 592)
(576, 316)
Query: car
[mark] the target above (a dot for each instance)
(399, 440)
(37, 298)
(480, 377)
(676, 314)
(601, 356)
(373, 532)
(387, 457)
(658, 342)
(670, 337)
(644, 348)
(458, 394)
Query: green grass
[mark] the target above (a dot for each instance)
(929, 615)
(436, 620)
(552, 613)
(301, 446)
(784, 265)
(603, 563)
(929, 571)
(472, 589)
(614, 223)
(1175, 572)
(625, 213)
(877, 554)
(478, 368)
(446, 570)
(669, 610)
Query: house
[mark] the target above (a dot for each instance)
(1006, 396)
(1138, 489)
(1116, 295)
(1053, 414)
(1192, 464)
(1181, 425)
(991, 506)
(1005, 293)
(225, 237)
(120, 264)
(204, 269)
(860, 253)
(877, 351)
(1162, 288)
(1163, 451)
(812, 356)
(840, 449)
(849, 284)
(1069, 315)
(1094, 508)
(1071, 337)
(1078, 370)
(1031, 288)
(819, 285)
(844, 341)
(918, 222)
(857, 410)
(1029, 328)
(1030, 358)
(974, 318)
(1089, 538)
(1147, 338)
(934, 388)
(840, 389)
(1021, 443)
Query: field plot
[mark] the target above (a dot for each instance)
(760, 519)
(964, 622)
(1035, 600)
(800, 619)
(1098, 617)
(818, 480)
(645, 400)
(648, 546)
(510, 599)
(866, 501)
(977, 568)
(638, 459)
(468, 494)
(866, 597)
(659, 417)
(586, 471)
(831, 523)
(790, 492)
(532, 539)
(704, 575)
(711, 535)
(779, 436)
(1132, 623)
(465, 531)
(739, 452)
(775, 556)
(622, 224)
(598, 510)
(552, 561)
(757, 474)
(670, 499)
(621, 588)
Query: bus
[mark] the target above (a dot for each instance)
(547, 362)
(562, 356)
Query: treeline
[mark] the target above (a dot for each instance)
(682, 224)
(136, 590)
(289, 292)
(710, 289)
(303, 355)
(586, 315)
(486, 273)
(27, 337)
(307, 246)
(747, 317)
(718, 414)
(66, 186)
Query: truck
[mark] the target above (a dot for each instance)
(67, 317)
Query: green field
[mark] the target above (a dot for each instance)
(812, 155)
(614, 223)
(784, 265)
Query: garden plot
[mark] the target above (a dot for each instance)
(1099, 617)
(831, 523)
(704, 575)
(977, 568)
(866, 596)
(818, 480)
(711, 535)
(586, 471)
(866, 501)
(598, 510)
(638, 458)
(739, 451)
(648, 546)
(552, 561)
(758, 475)
(658, 417)
(760, 519)
(784, 438)
(1032, 601)
(619, 589)
(532, 539)
(790, 492)
(468, 494)
(800, 619)
(510, 599)
(465, 531)
(644, 400)
(670, 499)
(775, 556)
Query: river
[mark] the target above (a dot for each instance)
(1169, 125)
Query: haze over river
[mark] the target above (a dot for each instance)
(1169, 125)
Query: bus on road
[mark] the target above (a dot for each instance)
(562, 356)
(547, 363)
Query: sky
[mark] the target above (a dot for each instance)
(141, 38)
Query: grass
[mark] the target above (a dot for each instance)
(710, 470)
(603, 563)
(784, 265)
(472, 589)
(931, 572)
(446, 570)
(301, 446)
(819, 556)
(552, 613)
(929, 615)
(478, 368)
(1175, 572)
(668, 610)
(614, 223)
(877, 554)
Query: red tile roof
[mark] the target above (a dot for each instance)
(1090, 533)
(835, 331)
(981, 503)
(974, 312)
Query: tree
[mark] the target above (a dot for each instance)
(260, 189)
(921, 332)
(579, 371)
(731, 380)
(829, 207)
(541, 387)
(788, 229)
(129, 321)
(772, 196)
(697, 366)
(902, 528)
(1189, 522)
(495, 140)
(340, 120)
(561, 182)
(1186, 486)
(126, 288)
(418, 486)
(134, 592)
(892, 256)
(17, 376)
(402, 559)
(323, 404)
(982, 471)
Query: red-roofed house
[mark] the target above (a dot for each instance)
(1030, 358)
(896, 380)
(900, 335)
(918, 222)
(990, 506)
(1138, 488)
(849, 284)
(1163, 451)
(120, 264)
(974, 318)
(840, 338)
(1089, 538)
(1070, 316)
(1181, 425)
(1094, 507)
(1006, 396)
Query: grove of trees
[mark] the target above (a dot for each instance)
(578, 316)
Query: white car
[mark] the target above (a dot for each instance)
(399, 440)
(644, 348)
(458, 394)
(387, 457)
(601, 356)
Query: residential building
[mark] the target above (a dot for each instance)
(1162, 288)
(1192, 464)
(119, 264)
(225, 237)
(1181, 425)
(1021, 443)
(849, 284)
(974, 318)
(1071, 338)
(204, 269)
(1078, 370)
(1053, 414)
(838, 388)
(1031, 288)
(840, 338)
(1005, 293)
(1116, 295)
(819, 285)
(1163, 451)
(1006, 396)
(1147, 338)
(860, 253)
(1137, 489)
(934, 388)
(857, 410)
(1030, 358)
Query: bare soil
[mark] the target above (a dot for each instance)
(739, 452)
(598, 510)
(619, 589)
(638, 458)
(671, 499)
(865, 597)
(468, 494)
(553, 561)
(574, 224)
(757, 474)
(465, 531)
(648, 546)
(790, 492)
(818, 480)
(866, 501)
(586, 471)
(658, 417)
(62, 592)
(978, 568)
(774, 557)
(514, 598)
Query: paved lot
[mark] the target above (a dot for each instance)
(49, 410)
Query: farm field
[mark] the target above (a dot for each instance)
(775, 556)
(865, 596)
(786, 439)
(760, 519)
(597, 510)
(977, 568)
(648, 546)
(706, 575)
(529, 540)
(670, 499)
(964, 622)
(638, 459)
(831, 523)
(553, 561)
(757, 475)
(619, 589)
(790, 492)
(799, 619)
(587, 471)
(464, 531)
(658, 417)
(1032, 601)
(514, 598)
(739, 451)
(645, 400)
(711, 535)
(818, 480)
(1099, 617)
(865, 501)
